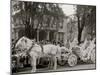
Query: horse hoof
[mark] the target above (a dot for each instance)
(33, 71)
(54, 68)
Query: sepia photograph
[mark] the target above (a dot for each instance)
(52, 37)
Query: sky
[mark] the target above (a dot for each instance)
(68, 9)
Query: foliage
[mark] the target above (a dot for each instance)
(38, 15)
(86, 16)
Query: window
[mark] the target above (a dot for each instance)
(60, 36)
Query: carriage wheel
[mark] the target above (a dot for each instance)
(72, 60)
(93, 56)
(61, 62)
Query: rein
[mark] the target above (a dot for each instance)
(30, 48)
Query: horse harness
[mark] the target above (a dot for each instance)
(40, 46)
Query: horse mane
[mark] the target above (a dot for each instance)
(18, 40)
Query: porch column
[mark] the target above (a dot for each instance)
(48, 32)
(37, 35)
(56, 36)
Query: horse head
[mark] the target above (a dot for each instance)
(23, 43)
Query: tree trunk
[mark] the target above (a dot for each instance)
(79, 31)
(79, 36)
(27, 30)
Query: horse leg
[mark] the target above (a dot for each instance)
(49, 62)
(33, 63)
(55, 62)
(38, 60)
(18, 62)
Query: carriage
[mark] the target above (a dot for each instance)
(68, 56)
(84, 53)
(21, 61)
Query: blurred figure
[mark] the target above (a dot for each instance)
(67, 44)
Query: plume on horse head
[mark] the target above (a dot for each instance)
(23, 43)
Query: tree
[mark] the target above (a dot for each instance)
(48, 14)
(72, 27)
(85, 17)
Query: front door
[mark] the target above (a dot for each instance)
(42, 35)
(51, 35)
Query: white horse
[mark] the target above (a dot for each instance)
(36, 51)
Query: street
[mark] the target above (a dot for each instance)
(61, 68)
